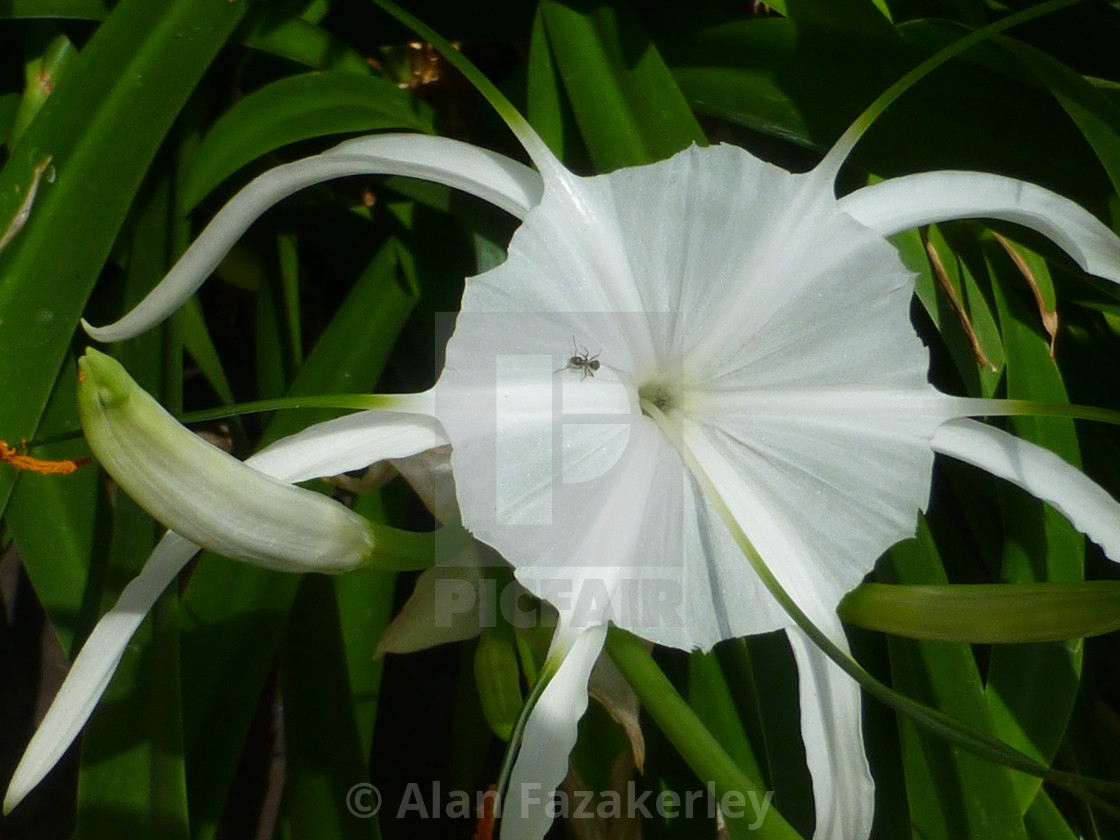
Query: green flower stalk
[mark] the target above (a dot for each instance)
(204, 494)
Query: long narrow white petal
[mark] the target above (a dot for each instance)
(914, 200)
(492, 177)
(831, 727)
(550, 734)
(349, 443)
(1041, 473)
(94, 666)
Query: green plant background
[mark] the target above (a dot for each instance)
(251, 701)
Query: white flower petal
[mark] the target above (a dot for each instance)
(442, 608)
(1040, 472)
(94, 666)
(915, 200)
(492, 177)
(204, 494)
(609, 687)
(349, 443)
(748, 270)
(429, 474)
(550, 734)
(832, 729)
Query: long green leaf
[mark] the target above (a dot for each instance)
(99, 130)
(1032, 689)
(297, 108)
(235, 615)
(625, 100)
(953, 795)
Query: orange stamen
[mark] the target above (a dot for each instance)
(11, 455)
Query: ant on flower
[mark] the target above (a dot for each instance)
(581, 361)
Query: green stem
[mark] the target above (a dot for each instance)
(835, 158)
(532, 143)
(396, 550)
(351, 402)
(686, 731)
(547, 672)
(981, 407)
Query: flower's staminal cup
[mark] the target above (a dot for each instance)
(758, 376)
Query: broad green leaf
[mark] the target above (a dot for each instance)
(953, 794)
(365, 605)
(197, 342)
(272, 29)
(625, 100)
(136, 780)
(838, 16)
(298, 108)
(1032, 688)
(710, 697)
(775, 671)
(77, 9)
(684, 730)
(545, 105)
(768, 75)
(323, 752)
(1045, 822)
(9, 102)
(961, 314)
(292, 38)
(50, 54)
(235, 614)
(1097, 116)
(99, 129)
(232, 617)
(132, 769)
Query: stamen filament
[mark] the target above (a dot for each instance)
(65, 466)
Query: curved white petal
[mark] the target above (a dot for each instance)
(1041, 473)
(94, 666)
(832, 729)
(550, 734)
(429, 474)
(349, 443)
(443, 607)
(914, 200)
(492, 177)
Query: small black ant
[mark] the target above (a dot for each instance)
(582, 361)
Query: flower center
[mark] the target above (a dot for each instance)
(661, 395)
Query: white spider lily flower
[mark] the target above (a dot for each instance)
(671, 345)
